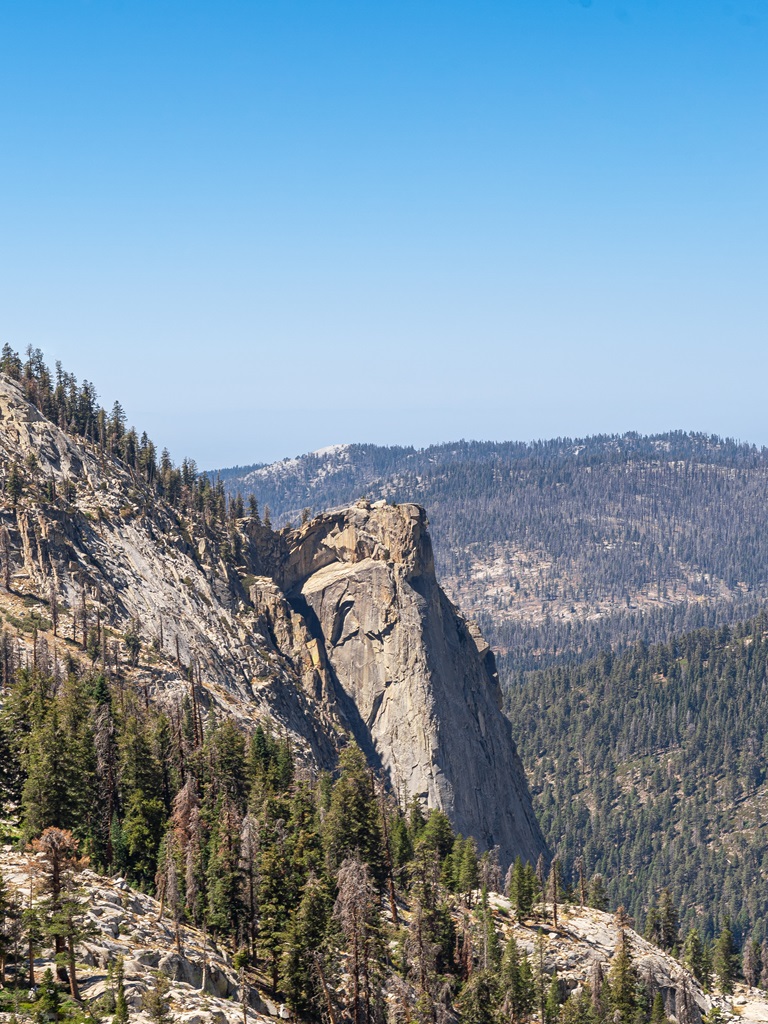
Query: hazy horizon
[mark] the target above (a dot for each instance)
(267, 228)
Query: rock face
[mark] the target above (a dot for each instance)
(335, 629)
(122, 922)
(416, 683)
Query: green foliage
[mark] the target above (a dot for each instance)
(623, 983)
(653, 772)
(48, 1004)
(694, 957)
(155, 1003)
(516, 982)
(121, 1003)
(352, 824)
(479, 999)
(725, 960)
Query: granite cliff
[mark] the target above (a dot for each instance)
(332, 630)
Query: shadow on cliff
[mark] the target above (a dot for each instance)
(347, 707)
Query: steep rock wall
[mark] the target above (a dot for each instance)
(416, 682)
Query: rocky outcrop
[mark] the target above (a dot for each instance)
(338, 628)
(415, 683)
(122, 922)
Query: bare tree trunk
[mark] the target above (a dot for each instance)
(204, 981)
(72, 975)
(326, 992)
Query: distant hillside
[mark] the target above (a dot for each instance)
(653, 767)
(562, 548)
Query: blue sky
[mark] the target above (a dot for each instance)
(271, 226)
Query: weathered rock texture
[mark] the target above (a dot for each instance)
(333, 629)
(416, 684)
(126, 923)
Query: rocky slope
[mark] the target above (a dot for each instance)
(336, 629)
(206, 987)
(125, 923)
(416, 684)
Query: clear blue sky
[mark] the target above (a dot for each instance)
(272, 226)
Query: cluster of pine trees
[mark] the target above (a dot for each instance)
(303, 874)
(74, 408)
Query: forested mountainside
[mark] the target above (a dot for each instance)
(275, 885)
(563, 548)
(332, 632)
(651, 766)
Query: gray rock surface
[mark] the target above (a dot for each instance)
(416, 683)
(333, 629)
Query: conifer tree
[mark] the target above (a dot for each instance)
(752, 965)
(224, 883)
(304, 941)
(155, 1003)
(597, 896)
(622, 982)
(479, 999)
(724, 960)
(352, 824)
(48, 1003)
(552, 1004)
(468, 875)
(121, 1003)
(356, 910)
(62, 907)
(167, 887)
(516, 983)
(693, 957)
(658, 1015)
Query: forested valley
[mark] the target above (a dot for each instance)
(651, 765)
(646, 758)
(331, 893)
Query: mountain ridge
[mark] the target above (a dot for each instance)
(125, 572)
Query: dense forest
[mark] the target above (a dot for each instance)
(651, 766)
(329, 891)
(562, 548)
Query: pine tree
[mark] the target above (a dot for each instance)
(693, 956)
(468, 875)
(48, 1003)
(554, 888)
(224, 882)
(352, 823)
(479, 999)
(167, 885)
(356, 909)
(516, 982)
(62, 908)
(752, 965)
(303, 942)
(622, 981)
(597, 896)
(724, 960)
(552, 1004)
(121, 1003)
(155, 1003)
(658, 1015)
